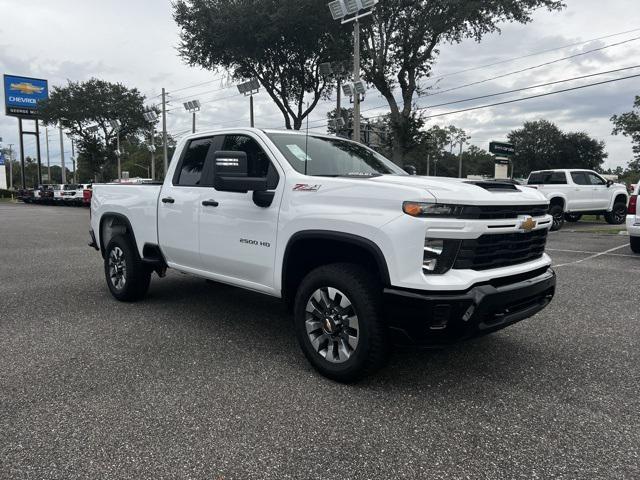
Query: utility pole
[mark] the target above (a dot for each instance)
(253, 123)
(428, 164)
(460, 160)
(356, 78)
(164, 130)
(46, 135)
(73, 161)
(11, 166)
(153, 156)
(64, 173)
(118, 154)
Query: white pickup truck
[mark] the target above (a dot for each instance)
(363, 253)
(573, 193)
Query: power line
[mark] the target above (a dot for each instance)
(506, 102)
(541, 52)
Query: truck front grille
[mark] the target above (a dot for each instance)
(501, 250)
(497, 212)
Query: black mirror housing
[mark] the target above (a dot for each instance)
(410, 169)
(231, 173)
(609, 183)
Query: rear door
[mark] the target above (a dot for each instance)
(238, 237)
(179, 205)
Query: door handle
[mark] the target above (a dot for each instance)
(210, 203)
(168, 200)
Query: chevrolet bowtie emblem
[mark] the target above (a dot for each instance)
(26, 88)
(528, 224)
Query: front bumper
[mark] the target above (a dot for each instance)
(440, 318)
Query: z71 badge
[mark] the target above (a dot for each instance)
(305, 187)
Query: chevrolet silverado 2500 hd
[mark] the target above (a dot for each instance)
(362, 252)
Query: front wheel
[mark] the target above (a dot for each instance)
(558, 217)
(617, 215)
(127, 276)
(338, 322)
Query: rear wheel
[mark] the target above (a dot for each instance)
(635, 244)
(127, 276)
(572, 217)
(338, 322)
(617, 215)
(558, 217)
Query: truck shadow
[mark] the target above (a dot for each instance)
(264, 326)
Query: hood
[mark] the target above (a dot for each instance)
(463, 191)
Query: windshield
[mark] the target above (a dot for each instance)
(332, 157)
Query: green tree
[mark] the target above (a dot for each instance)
(402, 39)
(628, 124)
(78, 106)
(279, 42)
(542, 145)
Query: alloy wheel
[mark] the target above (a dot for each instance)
(117, 268)
(332, 324)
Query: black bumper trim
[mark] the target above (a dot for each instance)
(447, 317)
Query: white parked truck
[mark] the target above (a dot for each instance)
(363, 253)
(574, 192)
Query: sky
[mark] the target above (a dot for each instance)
(135, 43)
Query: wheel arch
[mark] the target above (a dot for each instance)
(309, 249)
(112, 224)
(558, 200)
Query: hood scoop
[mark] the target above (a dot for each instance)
(493, 185)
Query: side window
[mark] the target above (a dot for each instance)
(595, 179)
(558, 178)
(193, 162)
(579, 178)
(258, 161)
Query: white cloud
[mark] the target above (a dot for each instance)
(135, 43)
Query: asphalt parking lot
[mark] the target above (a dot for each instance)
(206, 381)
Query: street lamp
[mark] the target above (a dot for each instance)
(192, 106)
(352, 11)
(152, 117)
(248, 89)
(116, 126)
(337, 68)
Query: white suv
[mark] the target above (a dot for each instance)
(633, 221)
(573, 193)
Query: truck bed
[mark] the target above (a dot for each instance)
(138, 203)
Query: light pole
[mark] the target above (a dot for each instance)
(248, 89)
(192, 106)
(328, 69)
(116, 125)
(352, 11)
(63, 168)
(152, 117)
(46, 136)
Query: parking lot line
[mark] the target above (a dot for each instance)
(590, 253)
(590, 257)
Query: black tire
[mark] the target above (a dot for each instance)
(617, 215)
(572, 217)
(136, 274)
(635, 244)
(364, 294)
(558, 217)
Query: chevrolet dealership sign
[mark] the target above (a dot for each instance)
(22, 95)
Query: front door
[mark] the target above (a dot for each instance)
(581, 198)
(599, 191)
(179, 206)
(238, 237)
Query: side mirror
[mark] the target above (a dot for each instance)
(410, 169)
(231, 173)
(609, 183)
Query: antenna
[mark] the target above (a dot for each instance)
(306, 144)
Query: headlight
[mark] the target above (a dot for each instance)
(439, 255)
(423, 209)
